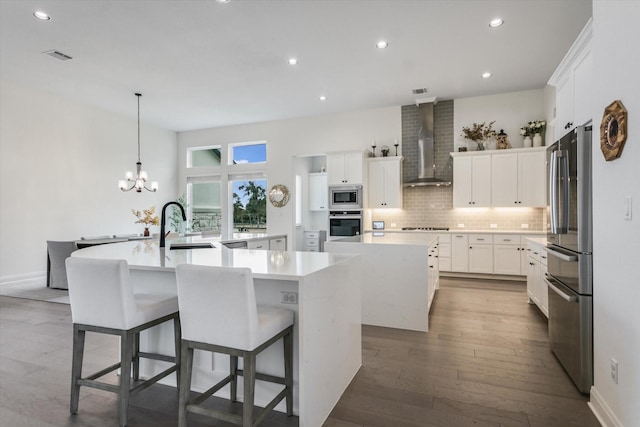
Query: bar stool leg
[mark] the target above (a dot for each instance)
(186, 365)
(177, 337)
(126, 356)
(288, 371)
(249, 359)
(76, 367)
(233, 371)
(136, 356)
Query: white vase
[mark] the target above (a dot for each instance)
(537, 140)
(527, 142)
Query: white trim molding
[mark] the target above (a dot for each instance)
(601, 410)
(39, 277)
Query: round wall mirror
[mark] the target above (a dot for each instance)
(279, 195)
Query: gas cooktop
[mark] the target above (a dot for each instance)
(425, 228)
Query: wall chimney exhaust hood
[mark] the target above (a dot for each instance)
(425, 175)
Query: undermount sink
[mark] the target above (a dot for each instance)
(199, 245)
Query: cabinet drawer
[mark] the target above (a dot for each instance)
(311, 249)
(444, 238)
(311, 234)
(481, 238)
(311, 242)
(506, 239)
(444, 250)
(543, 258)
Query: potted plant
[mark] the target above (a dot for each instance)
(147, 218)
(534, 129)
(479, 133)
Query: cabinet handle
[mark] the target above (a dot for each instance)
(470, 247)
(518, 248)
(480, 239)
(530, 263)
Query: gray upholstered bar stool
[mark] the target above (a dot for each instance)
(57, 253)
(219, 314)
(103, 301)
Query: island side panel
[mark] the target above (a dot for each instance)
(394, 283)
(330, 338)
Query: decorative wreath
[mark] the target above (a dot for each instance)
(613, 130)
(279, 195)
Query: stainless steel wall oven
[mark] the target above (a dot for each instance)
(345, 224)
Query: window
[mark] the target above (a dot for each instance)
(205, 209)
(227, 196)
(247, 153)
(249, 205)
(203, 156)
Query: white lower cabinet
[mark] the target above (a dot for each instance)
(460, 252)
(273, 243)
(314, 240)
(444, 252)
(433, 275)
(507, 255)
(537, 290)
(278, 244)
(481, 253)
(258, 244)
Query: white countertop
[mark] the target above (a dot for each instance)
(461, 230)
(539, 241)
(147, 255)
(383, 238)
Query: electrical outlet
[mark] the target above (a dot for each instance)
(289, 297)
(524, 225)
(614, 371)
(394, 225)
(493, 225)
(460, 225)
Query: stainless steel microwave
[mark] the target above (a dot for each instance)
(345, 197)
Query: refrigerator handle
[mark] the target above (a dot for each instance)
(561, 255)
(559, 192)
(553, 192)
(564, 197)
(564, 296)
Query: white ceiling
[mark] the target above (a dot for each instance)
(203, 64)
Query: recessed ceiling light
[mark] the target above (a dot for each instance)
(223, 1)
(496, 23)
(41, 15)
(486, 75)
(382, 44)
(293, 61)
(323, 98)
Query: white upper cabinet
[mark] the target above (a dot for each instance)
(573, 80)
(385, 182)
(519, 179)
(318, 192)
(472, 181)
(345, 168)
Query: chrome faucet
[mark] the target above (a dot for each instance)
(162, 221)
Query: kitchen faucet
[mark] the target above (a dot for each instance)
(162, 221)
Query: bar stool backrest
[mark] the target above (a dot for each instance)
(100, 293)
(218, 306)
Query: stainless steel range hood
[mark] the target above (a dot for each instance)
(425, 175)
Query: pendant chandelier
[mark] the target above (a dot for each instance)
(139, 182)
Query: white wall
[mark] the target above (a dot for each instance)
(511, 111)
(60, 166)
(616, 258)
(297, 137)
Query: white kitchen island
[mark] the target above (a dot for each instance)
(399, 276)
(327, 331)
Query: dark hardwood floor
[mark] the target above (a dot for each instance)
(485, 362)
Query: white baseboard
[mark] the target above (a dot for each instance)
(601, 410)
(36, 278)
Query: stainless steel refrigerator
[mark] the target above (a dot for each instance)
(570, 251)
